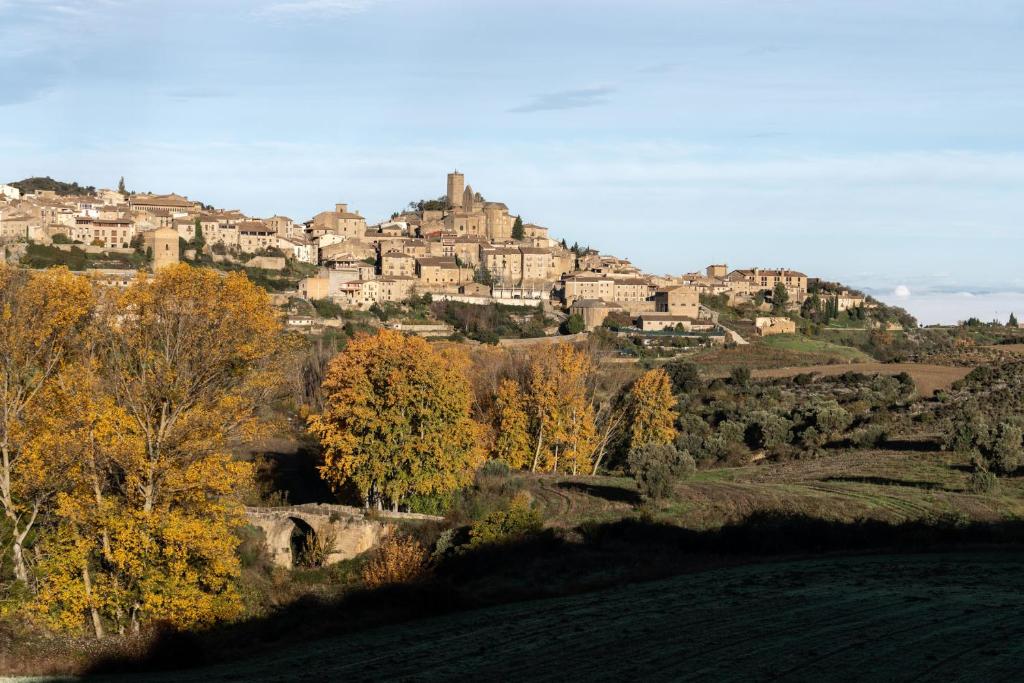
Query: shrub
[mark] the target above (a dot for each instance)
(327, 308)
(501, 526)
(767, 430)
(869, 436)
(316, 548)
(1006, 448)
(656, 467)
(399, 559)
(740, 376)
(573, 324)
(982, 481)
(685, 376)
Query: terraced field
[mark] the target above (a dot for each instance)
(935, 617)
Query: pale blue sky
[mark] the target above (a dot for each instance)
(879, 142)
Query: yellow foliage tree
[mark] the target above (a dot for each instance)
(512, 424)
(181, 366)
(560, 409)
(652, 409)
(397, 420)
(42, 315)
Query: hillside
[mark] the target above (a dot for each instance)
(882, 617)
(47, 183)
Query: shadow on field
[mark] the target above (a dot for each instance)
(614, 494)
(552, 563)
(887, 481)
(924, 445)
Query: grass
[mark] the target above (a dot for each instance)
(802, 344)
(944, 616)
(842, 486)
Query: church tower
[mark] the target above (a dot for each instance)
(469, 200)
(456, 181)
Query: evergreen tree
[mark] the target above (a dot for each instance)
(517, 229)
(1012, 322)
(780, 297)
(120, 185)
(199, 242)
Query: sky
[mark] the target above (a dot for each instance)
(875, 142)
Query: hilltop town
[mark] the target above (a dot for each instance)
(460, 248)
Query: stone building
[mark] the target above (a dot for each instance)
(394, 263)
(761, 280)
(163, 245)
(767, 326)
(593, 312)
(341, 221)
(678, 301)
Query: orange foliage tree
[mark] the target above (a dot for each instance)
(397, 419)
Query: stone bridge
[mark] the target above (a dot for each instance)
(349, 531)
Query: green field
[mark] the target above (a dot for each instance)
(908, 617)
(802, 344)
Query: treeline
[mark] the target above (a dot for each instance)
(29, 185)
(728, 421)
(407, 422)
(119, 494)
(982, 419)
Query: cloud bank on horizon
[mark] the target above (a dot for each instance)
(875, 143)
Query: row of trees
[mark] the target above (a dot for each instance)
(402, 418)
(117, 417)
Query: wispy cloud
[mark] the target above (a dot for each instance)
(655, 69)
(317, 7)
(566, 99)
(197, 93)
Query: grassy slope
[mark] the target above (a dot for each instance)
(779, 351)
(892, 486)
(927, 617)
(802, 344)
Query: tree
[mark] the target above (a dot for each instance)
(656, 467)
(512, 443)
(573, 324)
(144, 529)
(780, 297)
(397, 420)
(518, 232)
(562, 424)
(1012, 322)
(483, 275)
(198, 241)
(120, 185)
(43, 314)
(652, 410)
(685, 376)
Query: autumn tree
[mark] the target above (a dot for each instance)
(397, 420)
(559, 403)
(512, 424)
(143, 530)
(43, 314)
(652, 410)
